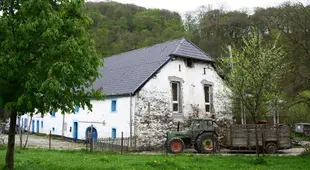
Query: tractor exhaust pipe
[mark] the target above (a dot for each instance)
(178, 128)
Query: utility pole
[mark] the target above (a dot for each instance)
(243, 117)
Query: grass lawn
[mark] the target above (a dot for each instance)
(38, 159)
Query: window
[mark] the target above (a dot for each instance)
(207, 91)
(113, 133)
(77, 108)
(41, 124)
(176, 96)
(52, 113)
(189, 62)
(113, 105)
(204, 71)
(179, 67)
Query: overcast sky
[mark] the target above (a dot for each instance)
(182, 6)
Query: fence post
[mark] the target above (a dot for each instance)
(91, 139)
(122, 142)
(135, 143)
(50, 140)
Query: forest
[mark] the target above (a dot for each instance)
(120, 27)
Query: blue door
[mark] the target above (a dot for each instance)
(38, 126)
(94, 135)
(75, 131)
(32, 126)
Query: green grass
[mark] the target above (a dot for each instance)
(80, 160)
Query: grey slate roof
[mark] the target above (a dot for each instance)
(124, 73)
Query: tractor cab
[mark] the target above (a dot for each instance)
(198, 124)
(201, 135)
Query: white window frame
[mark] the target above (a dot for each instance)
(207, 103)
(178, 101)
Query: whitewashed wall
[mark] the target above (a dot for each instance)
(192, 88)
(101, 112)
(153, 112)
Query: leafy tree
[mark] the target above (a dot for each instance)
(119, 28)
(294, 22)
(254, 80)
(47, 59)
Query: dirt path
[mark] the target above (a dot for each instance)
(42, 142)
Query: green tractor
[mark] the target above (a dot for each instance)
(201, 135)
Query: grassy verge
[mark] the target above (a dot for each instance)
(80, 160)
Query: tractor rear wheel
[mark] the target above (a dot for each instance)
(175, 145)
(205, 143)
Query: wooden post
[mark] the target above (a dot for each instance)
(122, 140)
(135, 143)
(50, 140)
(213, 142)
(263, 142)
(91, 139)
(231, 137)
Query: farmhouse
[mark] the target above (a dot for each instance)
(147, 91)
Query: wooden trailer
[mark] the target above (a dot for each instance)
(271, 138)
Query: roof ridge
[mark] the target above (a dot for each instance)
(178, 47)
(138, 49)
(199, 49)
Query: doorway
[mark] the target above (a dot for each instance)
(38, 126)
(32, 126)
(75, 131)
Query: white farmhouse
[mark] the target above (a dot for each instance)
(147, 91)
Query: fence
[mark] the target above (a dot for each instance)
(122, 144)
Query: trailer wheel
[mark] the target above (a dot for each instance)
(271, 148)
(175, 145)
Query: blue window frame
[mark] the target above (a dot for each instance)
(41, 124)
(53, 114)
(113, 133)
(77, 108)
(113, 105)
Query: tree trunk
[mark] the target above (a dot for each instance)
(256, 136)
(20, 134)
(26, 141)
(9, 161)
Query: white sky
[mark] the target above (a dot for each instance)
(182, 6)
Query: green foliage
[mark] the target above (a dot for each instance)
(47, 58)
(45, 159)
(257, 70)
(120, 28)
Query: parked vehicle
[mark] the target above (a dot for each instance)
(302, 128)
(203, 137)
(6, 128)
(271, 138)
(2, 126)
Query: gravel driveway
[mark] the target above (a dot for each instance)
(43, 142)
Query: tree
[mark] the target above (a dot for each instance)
(47, 59)
(294, 22)
(254, 80)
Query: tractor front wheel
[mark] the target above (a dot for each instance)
(175, 145)
(205, 143)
